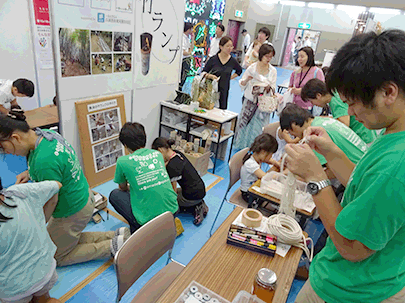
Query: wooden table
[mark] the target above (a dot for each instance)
(302, 215)
(42, 117)
(226, 269)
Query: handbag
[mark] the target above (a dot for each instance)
(267, 103)
(288, 97)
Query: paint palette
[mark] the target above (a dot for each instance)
(196, 293)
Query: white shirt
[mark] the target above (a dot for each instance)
(246, 42)
(308, 43)
(270, 78)
(5, 91)
(247, 173)
(186, 45)
(214, 47)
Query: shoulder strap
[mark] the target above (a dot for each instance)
(316, 70)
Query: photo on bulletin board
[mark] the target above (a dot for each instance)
(100, 121)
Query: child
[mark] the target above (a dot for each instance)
(180, 170)
(283, 137)
(9, 91)
(260, 152)
(254, 55)
(27, 263)
(145, 190)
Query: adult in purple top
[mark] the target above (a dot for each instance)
(307, 71)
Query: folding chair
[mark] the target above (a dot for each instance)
(140, 251)
(235, 164)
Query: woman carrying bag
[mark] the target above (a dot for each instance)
(252, 119)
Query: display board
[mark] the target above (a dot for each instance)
(158, 41)
(100, 120)
(94, 46)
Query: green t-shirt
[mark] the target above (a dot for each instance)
(151, 191)
(374, 214)
(339, 109)
(52, 161)
(343, 137)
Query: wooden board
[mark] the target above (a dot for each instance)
(100, 135)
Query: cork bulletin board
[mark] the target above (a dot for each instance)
(100, 121)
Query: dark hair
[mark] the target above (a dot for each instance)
(24, 86)
(14, 120)
(221, 27)
(293, 113)
(266, 49)
(299, 37)
(264, 142)
(3, 218)
(187, 26)
(265, 31)
(325, 70)
(310, 53)
(366, 64)
(313, 87)
(224, 40)
(244, 30)
(133, 136)
(161, 142)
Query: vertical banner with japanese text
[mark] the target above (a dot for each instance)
(158, 41)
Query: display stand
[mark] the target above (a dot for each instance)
(100, 120)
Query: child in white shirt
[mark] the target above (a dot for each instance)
(261, 151)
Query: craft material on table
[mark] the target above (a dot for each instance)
(196, 293)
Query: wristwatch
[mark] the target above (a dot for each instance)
(315, 187)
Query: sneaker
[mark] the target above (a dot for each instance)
(205, 208)
(121, 235)
(124, 231)
(198, 214)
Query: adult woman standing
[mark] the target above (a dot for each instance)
(50, 157)
(221, 66)
(251, 120)
(306, 72)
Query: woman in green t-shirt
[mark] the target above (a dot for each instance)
(51, 157)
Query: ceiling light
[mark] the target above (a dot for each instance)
(388, 11)
(293, 3)
(321, 5)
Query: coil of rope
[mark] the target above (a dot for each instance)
(284, 226)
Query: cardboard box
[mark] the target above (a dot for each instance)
(200, 161)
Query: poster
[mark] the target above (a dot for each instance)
(106, 154)
(158, 32)
(104, 124)
(94, 46)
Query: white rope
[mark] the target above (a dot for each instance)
(283, 225)
(288, 231)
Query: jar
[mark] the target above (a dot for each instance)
(264, 285)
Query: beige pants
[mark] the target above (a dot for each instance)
(75, 246)
(308, 295)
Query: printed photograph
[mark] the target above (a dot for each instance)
(101, 149)
(122, 42)
(114, 157)
(111, 116)
(112, 129)
(102, 163)
(124, 5)
(115, 145)
(101, 64)
(96, 120)
(106, 154)
(101, 42)
(122, 63)
(98, 134)
(74, 52)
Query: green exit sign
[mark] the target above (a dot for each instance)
(239, 14)
(304, 25)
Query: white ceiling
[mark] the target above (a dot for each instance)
(398, 4)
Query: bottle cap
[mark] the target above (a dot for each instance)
(267, 277)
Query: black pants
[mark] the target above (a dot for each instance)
(185, 68)
(121, 201)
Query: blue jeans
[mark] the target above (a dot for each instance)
(121, 201)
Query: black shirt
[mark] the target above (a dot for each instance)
(183, 172)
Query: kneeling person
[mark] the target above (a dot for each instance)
(180, 170)
(145, 190)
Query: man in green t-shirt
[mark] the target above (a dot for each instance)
(363, 259)
(145, 190)
(316, 92)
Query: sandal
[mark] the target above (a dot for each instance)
(198, 214)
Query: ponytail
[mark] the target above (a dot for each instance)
(13, 121)
(263, 142)
(161, 142)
